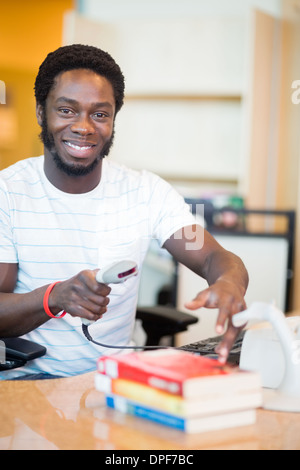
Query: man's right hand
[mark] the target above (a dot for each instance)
(81, 296)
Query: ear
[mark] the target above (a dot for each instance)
(39, 113)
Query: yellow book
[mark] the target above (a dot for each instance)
(220, 401)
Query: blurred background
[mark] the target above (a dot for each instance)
(210, 106)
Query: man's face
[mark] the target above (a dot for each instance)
(78, 122)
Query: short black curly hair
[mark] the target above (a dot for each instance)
(78, 56)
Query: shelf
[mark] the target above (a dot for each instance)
(184, 97)
(200, 179)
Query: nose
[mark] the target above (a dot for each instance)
(83, 125)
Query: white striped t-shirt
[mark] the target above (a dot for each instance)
(53, 235)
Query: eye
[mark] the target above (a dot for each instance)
(65, 111)
(99, 115)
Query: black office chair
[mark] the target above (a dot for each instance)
(157, 322)
(163, 320)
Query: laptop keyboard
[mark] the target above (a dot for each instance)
(207, 347)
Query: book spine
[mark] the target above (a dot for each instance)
(115, 369)
(165, 402)
(207, 423)
(134, 409)
(141, 392)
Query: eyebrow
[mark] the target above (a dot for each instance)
(64, 99)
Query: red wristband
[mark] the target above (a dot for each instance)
(46, 299)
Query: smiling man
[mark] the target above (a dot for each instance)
(66, 214)
(77, 146)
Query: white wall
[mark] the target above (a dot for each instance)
(178, 47)
(195, 69)
(112, 10)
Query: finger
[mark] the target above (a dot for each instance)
(95, 304)
(227, 309)
(224, 314)
(101, 286)
(88, 293)
(81, 312)
(103, 290)
(88, 278)
(224, 347)
(91, 308)
(204, 299)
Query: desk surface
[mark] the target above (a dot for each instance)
(71, 414)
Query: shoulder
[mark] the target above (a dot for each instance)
(116, 172)
(23, 170)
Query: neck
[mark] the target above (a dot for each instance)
(73, 184)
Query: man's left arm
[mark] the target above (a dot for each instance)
(225, 273)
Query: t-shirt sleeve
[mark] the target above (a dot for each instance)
(168, 210)
(8, 253)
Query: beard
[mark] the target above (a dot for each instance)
(72, 169)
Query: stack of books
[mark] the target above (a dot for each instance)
(179, 389)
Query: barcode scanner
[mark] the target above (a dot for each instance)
(115, 273)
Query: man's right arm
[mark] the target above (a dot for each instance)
(19, 313)
(80, 296)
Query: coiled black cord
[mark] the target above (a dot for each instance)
(88, 336)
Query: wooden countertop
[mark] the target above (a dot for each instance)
(70, 414)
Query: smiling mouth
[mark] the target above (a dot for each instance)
(79, 150)
(78, 147)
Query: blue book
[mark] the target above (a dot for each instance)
(190, 425)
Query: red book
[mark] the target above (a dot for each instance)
(178, 372)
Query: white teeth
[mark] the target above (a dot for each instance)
(77, 147)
